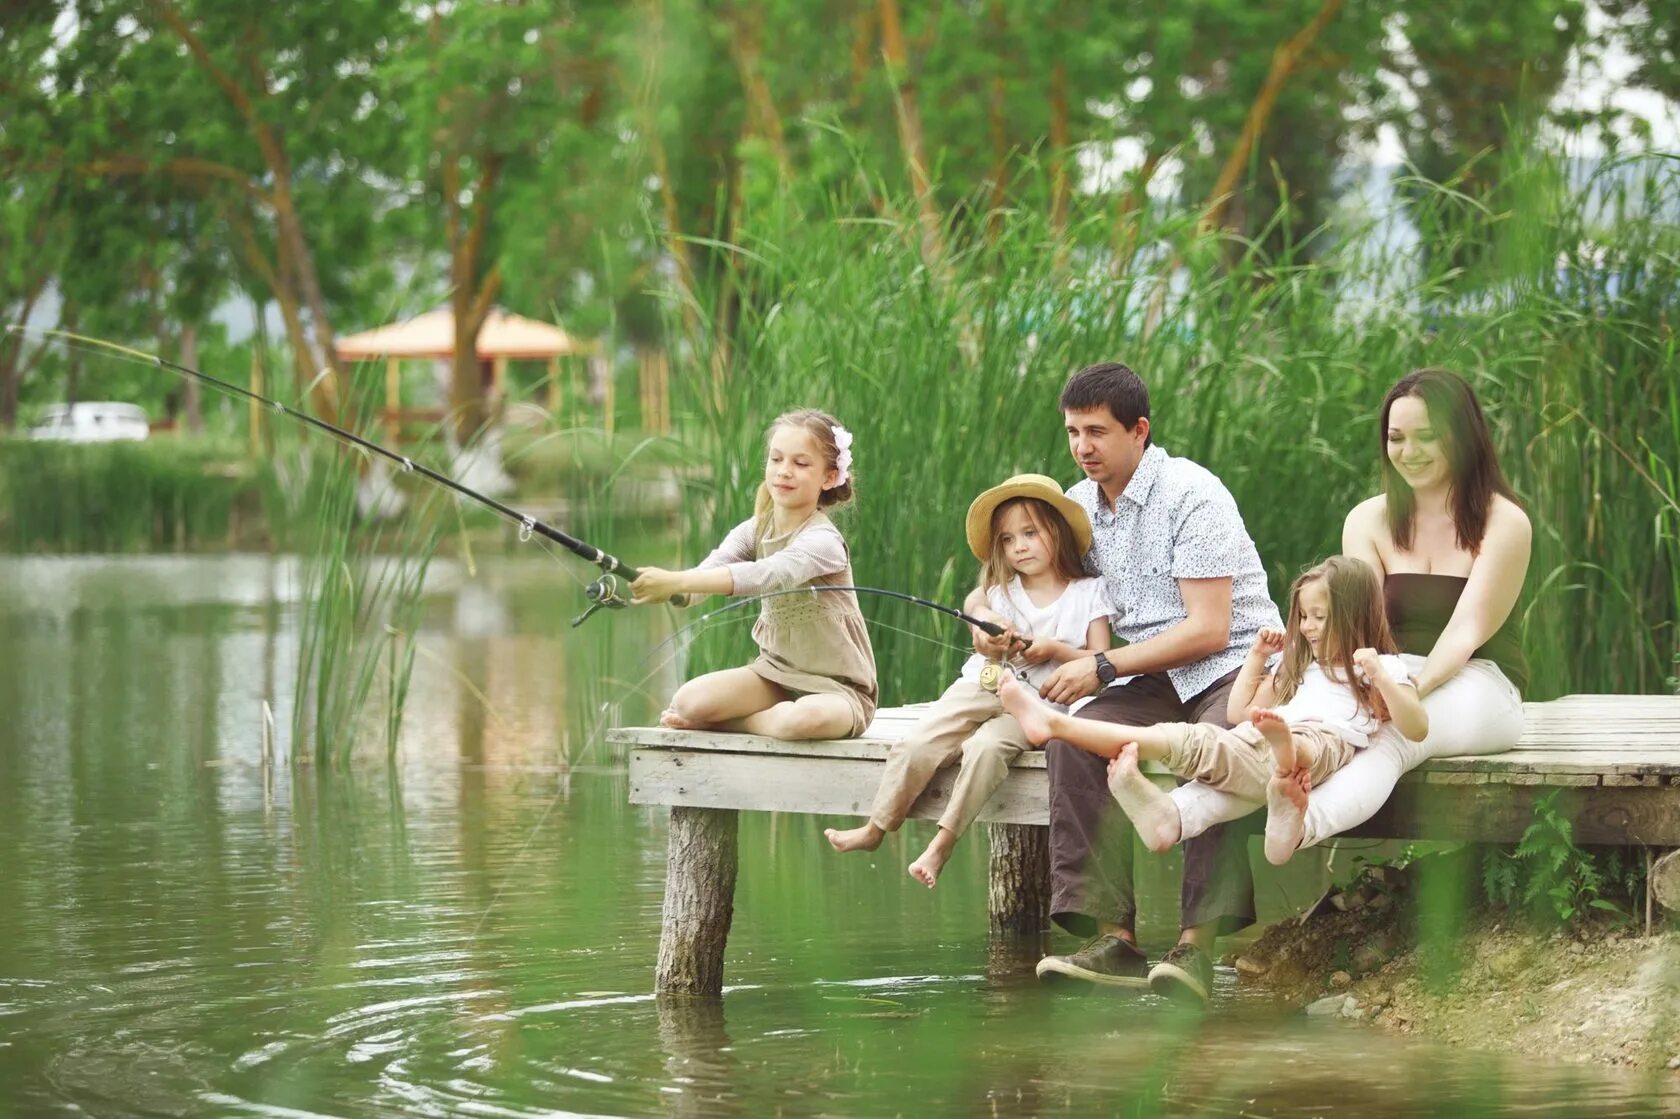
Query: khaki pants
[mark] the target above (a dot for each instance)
(966, 722)
(1239, 760)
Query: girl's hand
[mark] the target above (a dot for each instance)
(1268, 641)
(655, 584)
(994, 648)
(1039, 650)
(1366, 661)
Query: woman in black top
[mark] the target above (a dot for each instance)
(1452, 547)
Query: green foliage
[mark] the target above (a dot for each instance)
(161, 494)
(1268, 370)
(1555, 881)
(362, 585)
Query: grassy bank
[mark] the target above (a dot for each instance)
(1268, 370)
(158, 495)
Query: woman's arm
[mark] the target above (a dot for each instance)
(1496, 581)
(1360, 532)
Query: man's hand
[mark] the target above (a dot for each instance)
(1268, 641)
(1073, 681)
(655, 584)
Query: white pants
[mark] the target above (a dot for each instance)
(1478, 711)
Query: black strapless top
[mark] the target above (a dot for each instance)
(1419, 608)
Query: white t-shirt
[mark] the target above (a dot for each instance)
(1321, 699)
(1067, 619)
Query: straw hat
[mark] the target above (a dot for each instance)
(1024, 485)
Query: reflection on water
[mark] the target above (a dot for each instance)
(474, 933)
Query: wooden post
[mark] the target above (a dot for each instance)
(1018, 885)
(699, 901)
(393, 400)
(1663, 882)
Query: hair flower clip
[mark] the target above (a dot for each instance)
(843, 460)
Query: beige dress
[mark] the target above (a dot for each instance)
(809, 644)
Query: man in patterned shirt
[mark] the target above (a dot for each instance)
(1178, 563)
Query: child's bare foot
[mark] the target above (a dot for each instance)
(929, 864)
(866, 838)
(1276, 730)
(1150, 809)
(1286, 810)
(670, 718)
(1028, 709)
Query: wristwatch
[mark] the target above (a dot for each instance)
(1105, 670)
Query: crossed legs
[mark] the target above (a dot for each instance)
(739, 699)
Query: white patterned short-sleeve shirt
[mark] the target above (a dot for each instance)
(1175, 521)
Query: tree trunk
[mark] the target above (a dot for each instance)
(910, 134)
(1018, 884)
(1060, 143)
(1285, 60)
(192, 403)
(699, 901)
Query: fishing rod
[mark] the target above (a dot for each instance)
(991, 628)
(611, 590)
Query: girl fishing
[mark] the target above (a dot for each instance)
(814, 676)
(1028, 538)
(1339, 686)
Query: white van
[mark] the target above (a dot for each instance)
(92, 421)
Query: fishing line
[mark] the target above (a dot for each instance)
(610, 590)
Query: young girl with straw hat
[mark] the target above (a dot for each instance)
(1029, 539)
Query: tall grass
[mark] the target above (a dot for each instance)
(362, 584)
(163, 494)
(1268, 370)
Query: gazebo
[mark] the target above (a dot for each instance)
(504, 337)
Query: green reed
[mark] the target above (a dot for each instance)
(162, 494)
(1269, 370)
(361, 592)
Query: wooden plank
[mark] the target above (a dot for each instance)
(1501, 813)
(827, 787)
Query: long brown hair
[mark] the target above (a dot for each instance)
(1456, 417)
(821, 427)
(1357, 621)
(1064, 550)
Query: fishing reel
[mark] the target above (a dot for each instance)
(610, 592)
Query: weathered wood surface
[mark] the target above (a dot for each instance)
(1620, 753)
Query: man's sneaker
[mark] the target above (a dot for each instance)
(1105, 959)
(1184, 974)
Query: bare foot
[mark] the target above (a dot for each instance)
(1286, 810)
(929, 863)
(1150, 809)
(1276, 730)
(670, 718)
(866, 838)
(1028, 709)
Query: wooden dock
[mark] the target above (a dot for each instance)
(1617, 757)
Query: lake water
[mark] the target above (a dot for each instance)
(472, 930)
